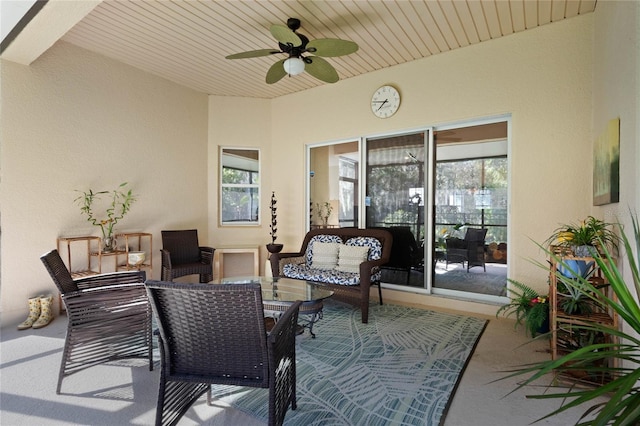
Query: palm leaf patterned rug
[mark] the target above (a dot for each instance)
(400, 369)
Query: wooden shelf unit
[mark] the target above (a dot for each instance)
(136, 241)
(126, 242)
(84, 257)
(65, 249)
(561, 323)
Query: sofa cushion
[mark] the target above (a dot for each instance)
(304, 272)
(321, 239)
(375, 247)
(333, 276)
(325, 255)
(350, 257)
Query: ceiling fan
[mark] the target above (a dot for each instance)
(296, 46)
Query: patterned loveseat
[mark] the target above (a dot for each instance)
(349, 276)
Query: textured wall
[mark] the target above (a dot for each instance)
(541, 77)
(76, 120)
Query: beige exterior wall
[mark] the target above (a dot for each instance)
(616, 94)
(541, 77)
(76, 120)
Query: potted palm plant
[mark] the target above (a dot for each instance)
(623, 390)
(584, 239)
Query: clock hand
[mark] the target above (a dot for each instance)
(382, 104)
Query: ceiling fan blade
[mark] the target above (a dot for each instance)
(276, 72)
(321, 69)
(284, 35)
(253, 54)
(331, 47)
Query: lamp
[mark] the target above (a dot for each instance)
(294, 66)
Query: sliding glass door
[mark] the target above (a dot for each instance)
(470, 208)
(428, 187)
(395, 198)
(333, 188)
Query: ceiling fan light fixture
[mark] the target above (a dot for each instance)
(294, 66)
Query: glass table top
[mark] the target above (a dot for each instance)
(282, 290)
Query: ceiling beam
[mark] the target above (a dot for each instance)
(45, 28)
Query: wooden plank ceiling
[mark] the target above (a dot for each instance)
(187, 41)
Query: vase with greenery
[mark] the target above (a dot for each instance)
(530, 308)
(120, 200)
(324, 211)
(273, 226)
(584, 238)
(622, 392)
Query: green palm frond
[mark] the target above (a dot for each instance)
(622, 406)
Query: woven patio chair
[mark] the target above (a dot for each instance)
(181, 255)
(470, 250)
(215, 334)
(109, 317)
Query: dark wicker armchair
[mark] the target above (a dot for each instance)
(470, 250)
(215, 334)
(182, 256)
(109, 317)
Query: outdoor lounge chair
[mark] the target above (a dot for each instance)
(109, 317)
(215, 334)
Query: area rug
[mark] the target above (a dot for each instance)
(400, 369)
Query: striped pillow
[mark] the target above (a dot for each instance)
(325, 255)
(350, 258)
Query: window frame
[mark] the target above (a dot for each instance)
(246, 186)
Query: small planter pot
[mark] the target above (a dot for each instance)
(584, 251)
(274, 248)
(576, 268)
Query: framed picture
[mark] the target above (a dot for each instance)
(606, 165)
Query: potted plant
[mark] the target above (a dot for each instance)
(529, 307)
(585, 238)
(120, 205)
(324, 211)
(623, 391)
(273, 226)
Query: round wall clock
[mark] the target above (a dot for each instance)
(385, 101)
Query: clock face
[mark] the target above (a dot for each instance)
(385, 101)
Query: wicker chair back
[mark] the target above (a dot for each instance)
(59, 272)
(108, 317)
(215, 334)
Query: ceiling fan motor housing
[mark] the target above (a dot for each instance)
(295, 51)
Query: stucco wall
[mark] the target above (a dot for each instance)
(542, 77)
(76, 120)
(616, 93)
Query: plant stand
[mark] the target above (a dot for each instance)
(565, 338)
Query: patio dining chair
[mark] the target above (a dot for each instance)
(109, 317)
(215, 334)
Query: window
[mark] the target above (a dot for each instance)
(240, 186)
(472, 192)
(348, 182)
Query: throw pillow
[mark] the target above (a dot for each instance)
(325, 255)
(350, 258)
